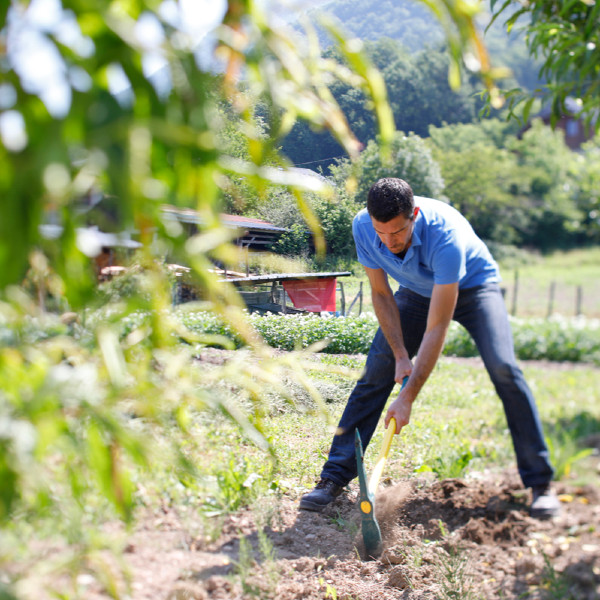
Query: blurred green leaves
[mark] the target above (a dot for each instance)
(565, 36)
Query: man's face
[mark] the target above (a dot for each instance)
(395, 234)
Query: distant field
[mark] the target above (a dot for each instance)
(574, 276)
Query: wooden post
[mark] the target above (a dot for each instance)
(551, 298)
(358, 295)
(360, 302)
(579, 300)
(283, 305)
(515, 294)
(342, 299)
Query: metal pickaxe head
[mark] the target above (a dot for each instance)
(370, 527)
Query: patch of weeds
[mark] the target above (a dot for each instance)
(343, 360)
(244, 567)
(555, 585)
(266, 513)
(269, 557)
(212, 526)
(330, 591)
(298, 441)
(564, 440)
(564, 454)
(450, 464)
(235, 480)
(344, 524)
(455, 581)
(413, 556)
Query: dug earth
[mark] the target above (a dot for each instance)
(468, 539)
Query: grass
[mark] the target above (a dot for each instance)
(455, 581)
(443, 428)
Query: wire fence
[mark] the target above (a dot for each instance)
(528, 298)
(524, 297)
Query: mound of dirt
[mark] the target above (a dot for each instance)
(450, 539)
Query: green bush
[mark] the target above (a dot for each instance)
(558, 339)
(574, 339)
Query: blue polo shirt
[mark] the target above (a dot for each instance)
(444, 249)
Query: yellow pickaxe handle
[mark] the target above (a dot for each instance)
(383, 454)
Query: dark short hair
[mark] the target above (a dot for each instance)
(390, 197)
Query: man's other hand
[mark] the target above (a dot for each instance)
(403, 369)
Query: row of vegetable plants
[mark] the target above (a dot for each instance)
(574, 339)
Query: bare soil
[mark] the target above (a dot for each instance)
(447, 539)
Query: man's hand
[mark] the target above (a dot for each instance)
(399, 409)
(403, 369)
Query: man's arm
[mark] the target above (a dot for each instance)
(441, 309)
(386, 311)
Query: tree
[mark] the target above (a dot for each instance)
(514, 189)
(335, 216)
(585, 188)
(411, 160)
(478, 180)
(544, 161)
(564, 35)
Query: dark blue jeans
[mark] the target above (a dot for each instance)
(481, 310)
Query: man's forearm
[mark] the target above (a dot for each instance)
(429, 353)
(441, 309)
(389, 321)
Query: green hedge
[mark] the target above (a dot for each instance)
(557, 339)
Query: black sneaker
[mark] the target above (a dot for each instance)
(325, 492)
(545, 504)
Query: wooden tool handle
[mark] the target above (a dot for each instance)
(385, 450)
(383, 454)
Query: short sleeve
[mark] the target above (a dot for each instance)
(449, 260)
(364, 247)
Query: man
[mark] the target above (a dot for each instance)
(445, 272)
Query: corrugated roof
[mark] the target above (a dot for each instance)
(187, 215)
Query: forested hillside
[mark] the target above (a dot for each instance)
(410, 23)
(406, 44)
(418, 92)
(413, 25)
